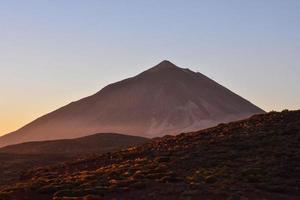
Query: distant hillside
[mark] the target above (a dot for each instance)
(257, 158)
(98, 143)
(165, 99)
(15, 159)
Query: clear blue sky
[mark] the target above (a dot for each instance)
(57, 51)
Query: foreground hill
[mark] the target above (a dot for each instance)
(16, 158)
(258, 158)
(163, 100)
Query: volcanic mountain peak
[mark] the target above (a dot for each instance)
(165, 64)
(167, 68)
(163, 100)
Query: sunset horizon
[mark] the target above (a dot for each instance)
(180, 100)
(40, 110)
(46, 69)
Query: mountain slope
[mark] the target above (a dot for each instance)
(165, 99)
(257, 158)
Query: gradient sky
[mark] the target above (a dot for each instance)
(57, 51)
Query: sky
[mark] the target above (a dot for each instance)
(53, 52)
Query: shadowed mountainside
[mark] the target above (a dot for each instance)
(257, 158)
(98, 143)
(163, 100)
(15, 159)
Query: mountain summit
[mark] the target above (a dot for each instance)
(165, 99)
(164, 65)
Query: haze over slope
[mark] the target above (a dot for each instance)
(165, 99)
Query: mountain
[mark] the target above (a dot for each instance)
(16, 158)
(165, 99)
(257, 158)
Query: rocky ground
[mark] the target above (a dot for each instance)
(258, 158)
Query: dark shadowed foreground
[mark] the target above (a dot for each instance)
(258, 158)
(15, 159)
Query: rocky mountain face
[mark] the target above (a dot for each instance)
(257, 158)
(163, 100)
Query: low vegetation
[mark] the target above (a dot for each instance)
(258, 158)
